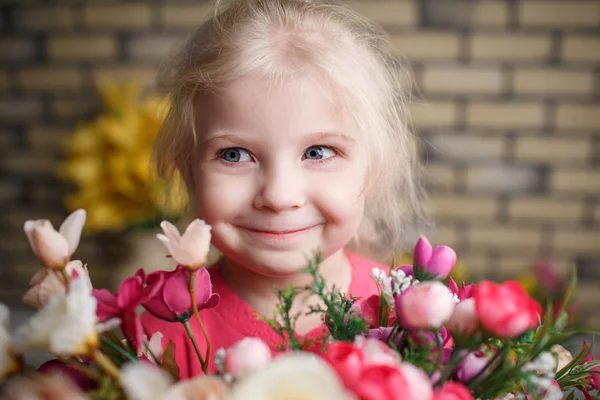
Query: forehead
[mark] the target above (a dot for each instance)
(295, 105)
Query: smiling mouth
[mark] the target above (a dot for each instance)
(279, 234)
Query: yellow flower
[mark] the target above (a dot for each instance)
(108, 160)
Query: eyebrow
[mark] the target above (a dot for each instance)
(311, 137)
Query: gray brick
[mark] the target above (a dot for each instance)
(17, 49)
(503, 178)
(26, 109)
(44, 18)
(10, 191)
(151, 47)
(38, 165)
(462, 147)
(47, 137)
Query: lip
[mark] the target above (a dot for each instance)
(287, 234)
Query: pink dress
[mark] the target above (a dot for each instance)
(233, 320)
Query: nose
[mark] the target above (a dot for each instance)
(282, 188)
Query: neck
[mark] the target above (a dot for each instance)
(259, 291)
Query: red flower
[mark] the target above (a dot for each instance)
(453, 391)
(373, 375)
(123, 305)
(369, 310)
(172, 300)
(505, 310)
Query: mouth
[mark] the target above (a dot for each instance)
(279, 234)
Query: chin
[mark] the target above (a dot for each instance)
(272, 263)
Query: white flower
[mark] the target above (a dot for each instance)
(298, 376)
(384, 283)
(46, 284)
(401, 281)
(8, 360)
(66, 326)
(54, 249)
(143, 381)
(189, 249)
(543, 364)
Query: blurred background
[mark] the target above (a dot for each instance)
(508, 108)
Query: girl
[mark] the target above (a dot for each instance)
(287, 127)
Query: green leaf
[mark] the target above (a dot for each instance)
(570, 292)
(168, 362)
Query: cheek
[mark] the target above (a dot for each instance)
(218, 197)
(342, 198)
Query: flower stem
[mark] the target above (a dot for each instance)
(195, 307)
(107, 365)
(190, 334)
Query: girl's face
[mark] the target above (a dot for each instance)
(279, 173)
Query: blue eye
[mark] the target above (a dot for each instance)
(235, 155)
(319, 153)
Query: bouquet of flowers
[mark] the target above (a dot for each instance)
(418, 338)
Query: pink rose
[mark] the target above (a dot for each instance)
(471, 365)
(427, 305)
(464, 319)
(247, 355)
(453, 391)
(172, 301)
(505, 310)
(438, 261)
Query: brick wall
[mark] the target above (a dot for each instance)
(508, 107)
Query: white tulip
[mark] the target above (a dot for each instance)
(8, 359)
(46, 284)
(298, 376)
(66, 326)
(55, 248)
(190, 249)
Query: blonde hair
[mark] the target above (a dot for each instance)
(283, 37)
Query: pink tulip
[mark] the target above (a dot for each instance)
(245, 356)
(422, 252)
(471, 365)
(427, 305)
(438, 261)
(55, 248)
(123, 305)
(190, 249)
(172, 301)
(464, 292)
(505, 310)
(464, 319)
